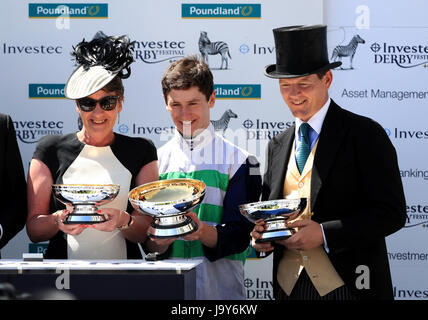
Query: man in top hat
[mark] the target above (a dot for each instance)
(346, 167)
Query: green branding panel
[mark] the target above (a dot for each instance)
(238, 91)
(40, 247)
(46, 91)
(221, 11)
(71, 10)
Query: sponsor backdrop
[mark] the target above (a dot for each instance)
(384, 57)
(385, 67)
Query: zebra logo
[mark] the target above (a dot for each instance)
(347, 51)
(206, 47)
(222, 123)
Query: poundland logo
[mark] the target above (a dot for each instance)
(46, 91)
(238, 91)
(221, 11)
(71, 10)
(40, 247)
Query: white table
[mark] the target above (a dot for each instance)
(103, 279)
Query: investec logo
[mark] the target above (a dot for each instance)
(136, 129)
(71, 10)
(46, 91)
(221, 11)
(30, 131)
(238, 91)
(259, 129)
(417, 215)
(150, 51)
(404, 56)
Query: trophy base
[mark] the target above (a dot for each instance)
(275, 235)
(171, 227)
(84, 214)
(84, 219)
(276, 229)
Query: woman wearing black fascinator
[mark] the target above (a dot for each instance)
(94, 155)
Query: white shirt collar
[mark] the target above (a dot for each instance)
(316, 120)
(202, 139)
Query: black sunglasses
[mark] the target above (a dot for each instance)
(107, 103)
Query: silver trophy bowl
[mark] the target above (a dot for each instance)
(168, 202)
(85, 199)
(275, 213)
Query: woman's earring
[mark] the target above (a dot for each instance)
(79, 123)
(118, 118)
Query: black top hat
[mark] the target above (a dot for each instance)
(300, 51)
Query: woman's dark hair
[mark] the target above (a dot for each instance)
(115, 85)
(188, 72)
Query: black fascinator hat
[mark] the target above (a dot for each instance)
(99, 60)
(300, 51)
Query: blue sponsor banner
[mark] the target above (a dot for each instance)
(46, 91)
(38, 247)
(238, 91)
(221, 10)
(71, 10)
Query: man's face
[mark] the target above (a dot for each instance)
(305, 95)
(189, 110)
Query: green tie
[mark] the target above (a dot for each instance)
(305, 147)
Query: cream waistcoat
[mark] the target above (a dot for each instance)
(318, 266)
